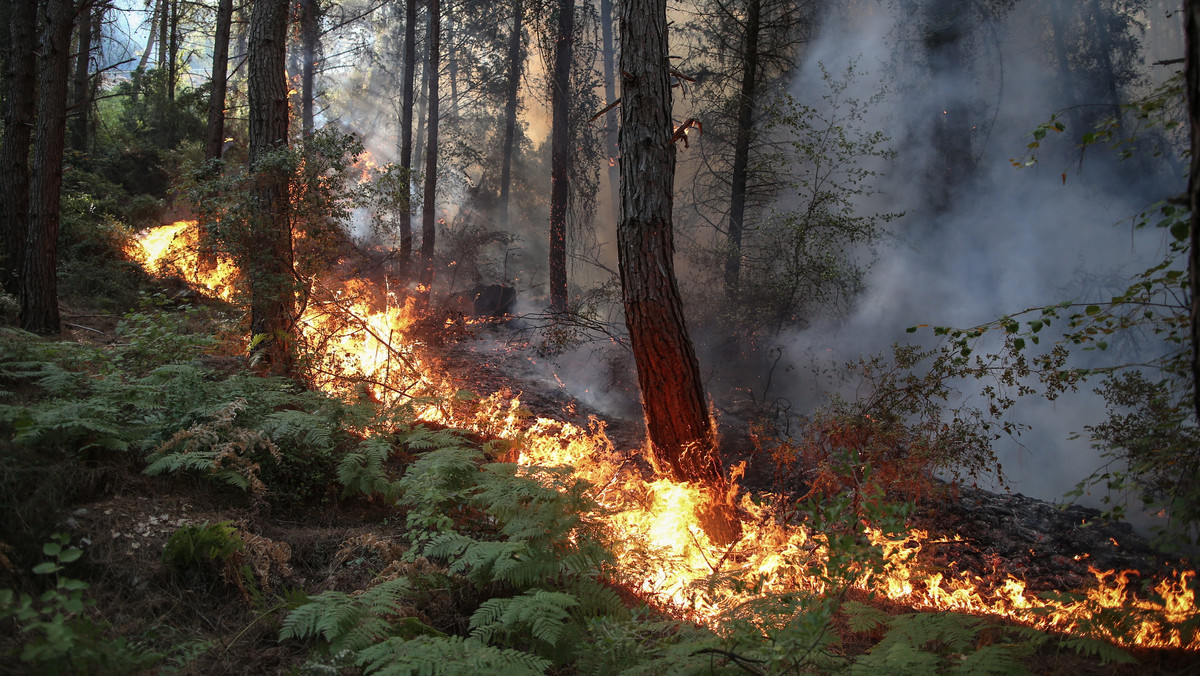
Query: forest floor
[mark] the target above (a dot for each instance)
(210, 622)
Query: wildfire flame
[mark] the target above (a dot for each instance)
(665, 554)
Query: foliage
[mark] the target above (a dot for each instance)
(56, 636)
(208, 544)
(347, 622)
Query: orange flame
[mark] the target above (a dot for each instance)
(363, 342)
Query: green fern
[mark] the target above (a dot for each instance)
(542, 615)
(363, 471)
(925, 643)
(348, 622)
(447, 656)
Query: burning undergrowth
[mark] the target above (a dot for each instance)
(363, 342)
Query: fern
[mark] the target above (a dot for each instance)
(218, 447)
(447, 656)
(924, 643)
(543, 615)
(347, 622)
(363, 470)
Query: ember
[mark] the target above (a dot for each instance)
(667, 556)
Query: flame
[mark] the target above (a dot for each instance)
(361, 341)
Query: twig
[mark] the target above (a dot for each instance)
(607, 108)
(85, 328)
(737, 659)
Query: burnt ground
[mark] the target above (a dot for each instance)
(207, 623)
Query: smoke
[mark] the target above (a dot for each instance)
(980, 238)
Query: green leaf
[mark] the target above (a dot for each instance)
(51, 549)
(46, 567)
(70, 555)
(1180, 230)
(1092, 310)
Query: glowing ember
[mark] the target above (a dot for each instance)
(358, 340)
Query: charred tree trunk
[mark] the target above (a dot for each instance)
(428, 213)
(309, 36)
(1191, 30)
(39, 284)
(741, 150)
(515, 61)
(677, 423)
(610, 95)
(81, 90)
(269, 252)
(19, 110)
(560, 154)
(214, 139)
(406, 132)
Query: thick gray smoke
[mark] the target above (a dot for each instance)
(981, 238)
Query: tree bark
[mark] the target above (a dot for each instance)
(406, 132)
(153, 35)
(428, 214)
(309, 36)
(214, 139)
(269, 251)
(560, 154)
(515, 61)
(173, 50)
(39, 283)
(81, 85)
(19, 110)
(741, 150)
(677, 423)
(1191, 30)
(610, 95)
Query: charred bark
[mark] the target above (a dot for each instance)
(19, 110)
(515, 61)
(677, 422)
(39, 284)
(428, 214)
(269, 251)
(406, 132)
(560, 154)
(741, 150)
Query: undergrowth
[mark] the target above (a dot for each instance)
(524, 552)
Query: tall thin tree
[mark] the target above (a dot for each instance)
(608, 54)
(268, 260)
(428, 213)
(39, 284)
(1191, 30)
(560, 154)
(309, 44)
(680, 432)
(19, 110)
(406, 131)
(516, 60)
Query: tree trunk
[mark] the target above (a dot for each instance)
(153, 35)
(39, 284)
(428, 214)
(308, 48)
(406, 132)
(1191, 31)
(515, 61)
(269, 252)
(81, 99)
(610, 95)
(677, 422)
(19, 113)
(560, 155)
(173, 50)
(451, 60)
(422, 105)
(164, 23)
(214, 139)
(741, 150)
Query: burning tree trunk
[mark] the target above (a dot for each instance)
(677, 422)
(406, 131)
(428, 215)
(39, 285)
(515, 61)
(610, 95)
(268, 254)
(1191, 30)
(308, 51)
(741, 150)
(19, 110)
(560, 155)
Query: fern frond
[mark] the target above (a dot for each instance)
(539, 614)
(447, 656)
(363, 471)
(347, 622)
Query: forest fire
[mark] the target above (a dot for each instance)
(361, 340)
